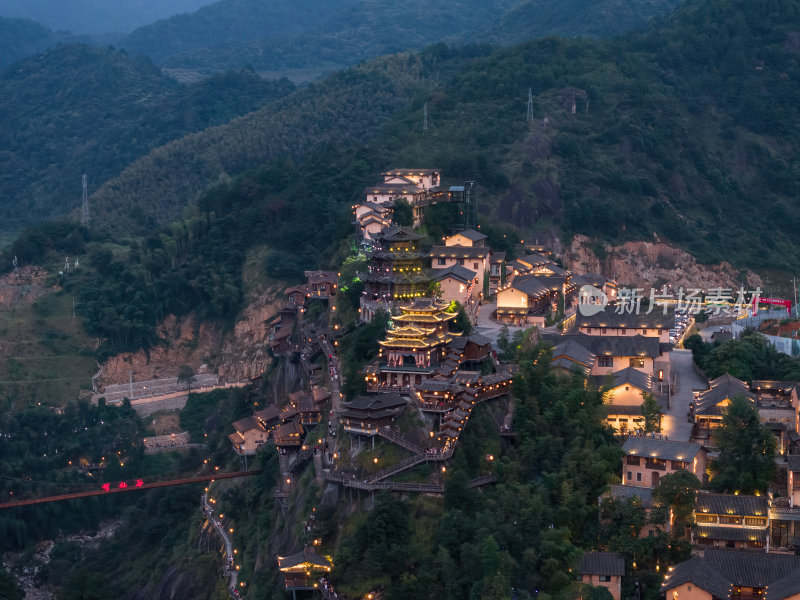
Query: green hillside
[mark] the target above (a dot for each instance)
(332, 35)
(347, 108)
(78, 109)
(230, 21)
(96, 16)
(354, 32)
(659, 141)
(20, 38)
(573, 18)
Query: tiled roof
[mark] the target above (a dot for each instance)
(458, 272)
(627, 492)
(394, 234)
(306, 557)
(530, 285)
(786, 586)
(376, 402)
(719, 570)
(610, 318)
(246, 424)
(575, 352)
(602, 563)
(322, 276)
(287, 429)
(764, 385)
(696, 571)
(722, 388)
(497, 257)
(731, 504)
(471, 234)
(459, 252)
(614, 345)
(634, 377)
(395, 189)
(270, 413)
(434, 385)
(658, 448)
(568, 365)
(478, 339)
(533, 260)
(794, 462)
(734, 534)
(400, 171)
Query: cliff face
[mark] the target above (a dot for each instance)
(233, 355)
(649, 264)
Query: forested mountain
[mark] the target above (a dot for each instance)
(96, 16)
(347, 108)
(573, 18)
(230, 21)
(659, 142)
(320, 37)
(20, 38)
(77, 108)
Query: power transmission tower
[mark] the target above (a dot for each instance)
(85, 203)
(425, 119)
(530, 105)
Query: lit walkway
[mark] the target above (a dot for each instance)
(675, 424)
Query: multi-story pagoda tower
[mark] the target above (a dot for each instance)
(397, 270)
(413, 348)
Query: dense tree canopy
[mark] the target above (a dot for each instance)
(746, 462)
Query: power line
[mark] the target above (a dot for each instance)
(530, 105)
(85, 203)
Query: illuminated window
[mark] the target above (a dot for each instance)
(730, 520)
(636, 361)
(706, 518)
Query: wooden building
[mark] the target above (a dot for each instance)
(497, 270)
(474, 258)
(414, 348)
(647, 459)
(269, 417)
(366, 414)
(530, 298)
(623, 396)
(296, 295)
(603, 569)
(396, 269)
(322, 284)
(731, 521)
(614, 353)
(248, 436)
(303, 570)
(457, 283)
(736, 575)
(610, 322)
(709, 406)
(288, 435)
(472, 350)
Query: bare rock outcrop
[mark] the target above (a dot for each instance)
(233, 355)
(653, 264)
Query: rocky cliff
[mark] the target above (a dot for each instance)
(652, 264)
(238, 354)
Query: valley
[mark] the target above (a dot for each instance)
(456, 300)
